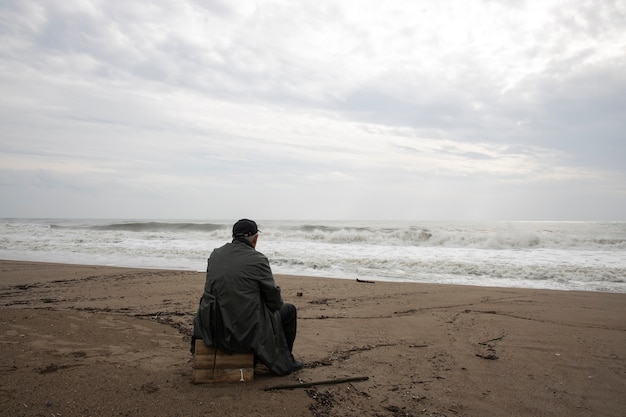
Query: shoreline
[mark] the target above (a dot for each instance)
(300, 276)
(96, 340)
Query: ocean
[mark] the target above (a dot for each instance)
(589, 256)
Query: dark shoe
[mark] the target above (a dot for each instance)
(297, 366)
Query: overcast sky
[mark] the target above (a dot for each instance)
(351, 109)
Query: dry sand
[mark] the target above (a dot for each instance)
(100, 341)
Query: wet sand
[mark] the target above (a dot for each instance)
(83, 340)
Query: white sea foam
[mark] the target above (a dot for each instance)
(557, 255)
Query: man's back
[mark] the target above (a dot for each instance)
(241, 280)
(238, 273)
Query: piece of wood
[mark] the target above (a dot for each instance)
(222, 361)
(211, 365)
(492, 340)
(203, 350)
(211, 376)
(312, 384)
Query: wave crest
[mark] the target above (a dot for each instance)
(149, 227)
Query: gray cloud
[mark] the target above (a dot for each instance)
(422, 103)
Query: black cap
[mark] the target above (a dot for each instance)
(245, 227)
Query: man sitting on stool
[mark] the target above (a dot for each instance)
(241, 308)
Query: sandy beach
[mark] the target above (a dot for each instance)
(83, 340)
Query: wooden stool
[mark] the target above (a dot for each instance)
(211, 365)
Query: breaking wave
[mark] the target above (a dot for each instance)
(160, 227)
(558, 255)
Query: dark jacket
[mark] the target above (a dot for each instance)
(238, 311)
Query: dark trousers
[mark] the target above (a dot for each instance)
(289, 317)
